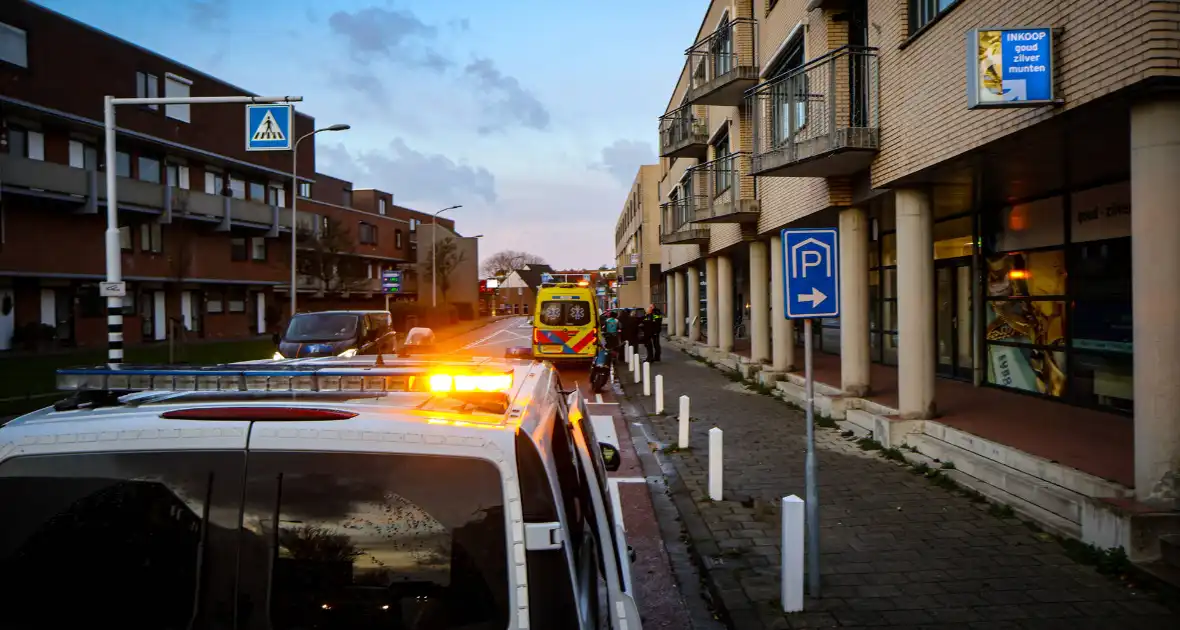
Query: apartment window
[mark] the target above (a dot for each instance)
(125, 242)
(26, 144)
(381, 207)
(235, 301)
(367, 233)
(214, 183)
(923, 12)
(147, 86)
(414, 224)
(122, 164)
(305, 190)
(257, 192)
(151, 237)
(237, 248)
(14, 45)
(83, 155)
(258, 248)
(369, 271)
(215, 304)
(397, 239)
(347, 198)
(149, 169)
(789, 96)
(275, 195)
(723, 165)
(237, 187)
(177, 175)
(177, 87)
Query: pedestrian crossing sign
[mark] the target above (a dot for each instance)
(268, 127)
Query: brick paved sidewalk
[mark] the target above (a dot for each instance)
(897, 550)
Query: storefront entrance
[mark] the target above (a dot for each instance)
(953, 321)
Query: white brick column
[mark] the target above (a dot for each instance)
(915, 303)
(759, 302)
(711, 301)
(782, 329)
(854, 302)
(693, 279)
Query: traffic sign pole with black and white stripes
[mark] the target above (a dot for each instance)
(114, 287)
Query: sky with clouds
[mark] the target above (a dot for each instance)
(532, 114)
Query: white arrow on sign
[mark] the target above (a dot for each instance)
(1017, 90)
(816, 297)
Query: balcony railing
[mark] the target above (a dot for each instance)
(820, 120)
(726, 189)
(684, 134)
(723, 65)
(678, 226)
(88, 189)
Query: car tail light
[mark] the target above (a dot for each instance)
(257, 413)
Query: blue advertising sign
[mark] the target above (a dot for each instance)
(268, 127)
(811, 273)
(1010, 67)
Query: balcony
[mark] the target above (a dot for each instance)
(683, 134)
(724, 189)
(678, 224)
(722, 66)
(820, 120)
(87, 189)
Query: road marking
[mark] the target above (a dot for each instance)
(487, 339)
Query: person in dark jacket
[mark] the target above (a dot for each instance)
(630, 324)
(653, 324)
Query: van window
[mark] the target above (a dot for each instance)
(565, 313)
(117, 538)
(379, 541)
(321, 327)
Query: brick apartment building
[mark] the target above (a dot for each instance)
(989, 258)
(637, 242)
(206, 226)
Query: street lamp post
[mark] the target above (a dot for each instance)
(434, 256)
(295, 198)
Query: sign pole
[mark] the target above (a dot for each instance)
(812, 490)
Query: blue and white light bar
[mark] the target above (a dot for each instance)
(273, 378)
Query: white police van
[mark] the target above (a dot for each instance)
(319, 493)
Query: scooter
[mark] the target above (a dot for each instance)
(602, 370)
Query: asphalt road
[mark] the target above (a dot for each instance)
(661, 602)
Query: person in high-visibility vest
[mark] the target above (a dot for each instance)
(653, 324)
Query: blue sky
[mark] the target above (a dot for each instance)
(533, 114)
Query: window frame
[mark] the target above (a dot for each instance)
(176, 86)
(366, 233)
(19, 34)
(151, 237)
(255, 241)
(147, 85)
(922, 14)
(239, 249)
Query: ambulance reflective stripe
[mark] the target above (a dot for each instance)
(570, 342)
(580, 342)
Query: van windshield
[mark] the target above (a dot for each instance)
(565, 313)
(321, 327)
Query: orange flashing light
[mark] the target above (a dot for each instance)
(1019, 274)
(583, 283)
(470, 382)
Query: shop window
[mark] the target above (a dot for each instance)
(151, 237)
(1035, 322)
(1036, 370)
(237, 249)
(14, 45)
(953, 238)
(1026, 274)
(1028, 226)
(258, 248)
(257, 192)
(1100, 314)
(149, 169)
(1103, 381)
(889, 250)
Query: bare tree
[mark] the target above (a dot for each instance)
(449, 257)
(507, 261)
(328, 256)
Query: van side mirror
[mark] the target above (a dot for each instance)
(610, 456)
(276, 338)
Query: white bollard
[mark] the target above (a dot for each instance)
(684, 421)
(646, 378)
(792, 554)
(635, 368)
(627, 353)
(715, 464)
(659, 393)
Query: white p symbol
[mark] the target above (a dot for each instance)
(809, 258)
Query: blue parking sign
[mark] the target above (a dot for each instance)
(811, 273)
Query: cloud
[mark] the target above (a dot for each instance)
(394, 34)
(622, 159)
(409, 174)
(505, 99)
(208, 14)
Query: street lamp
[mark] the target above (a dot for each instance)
(434, 256)
(295, 197)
